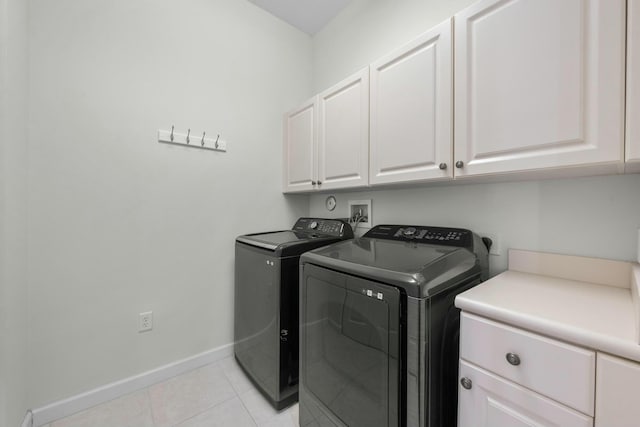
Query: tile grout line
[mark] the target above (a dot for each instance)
(255, 422)
(205, 410)
(208, 408)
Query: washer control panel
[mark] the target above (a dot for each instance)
(324, 227)
(423, 234)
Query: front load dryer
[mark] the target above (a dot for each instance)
(379, 331)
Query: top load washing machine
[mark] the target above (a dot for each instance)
(266, 303)
(379, 331)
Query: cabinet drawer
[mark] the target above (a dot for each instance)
(563, 372)
(491, 401)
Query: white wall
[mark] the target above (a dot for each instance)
(13, 158)
(594, 216)
(119, 224)
(368, 29)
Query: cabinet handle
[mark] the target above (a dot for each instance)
(313, 183)
(319, 182)
(466, 383)
(443, 166)
(459, 164)
(513, 358)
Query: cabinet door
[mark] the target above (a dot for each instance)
(300, 145)
(617, 392)
(494, 402)
(539, 84)
(633, 86)
(343, 133)
(411, 115)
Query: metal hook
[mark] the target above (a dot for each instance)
(202, 143)
(188, 132)
(217, 140)
(171, 137)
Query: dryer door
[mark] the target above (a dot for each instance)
(351, 348)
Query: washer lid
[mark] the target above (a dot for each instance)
(421, 269)
(273, 239)
(307, 234)
(287, 242)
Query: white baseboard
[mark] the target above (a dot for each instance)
(28, 419)
(105, 393)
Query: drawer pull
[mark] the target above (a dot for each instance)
(513, 358)
(466, 383)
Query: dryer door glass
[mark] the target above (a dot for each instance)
(352, 347)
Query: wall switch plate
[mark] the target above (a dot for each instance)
(145, 321)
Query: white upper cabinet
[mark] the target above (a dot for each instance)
(300, 146)
(411, 111)
(633, 86)
(343, 134)
(539, 84)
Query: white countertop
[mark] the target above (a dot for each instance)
(600, 316)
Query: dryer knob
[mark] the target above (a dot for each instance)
(409, 231)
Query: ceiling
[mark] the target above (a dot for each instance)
(309, 16)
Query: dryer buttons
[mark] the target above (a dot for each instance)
(370, 293)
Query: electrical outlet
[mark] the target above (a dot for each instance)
(145, 321)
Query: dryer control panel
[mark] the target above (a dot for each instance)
(324, 227)
(423, 234)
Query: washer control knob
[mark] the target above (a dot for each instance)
(466, 383)
(313, 225)
(513, 358)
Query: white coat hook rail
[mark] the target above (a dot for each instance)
(184, 139)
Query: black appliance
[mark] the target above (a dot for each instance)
(266, 303)
(379, 331)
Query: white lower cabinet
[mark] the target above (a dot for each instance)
(514, 378)
(617, 403)
(491, 401)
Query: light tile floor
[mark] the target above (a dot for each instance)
(216, 395)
